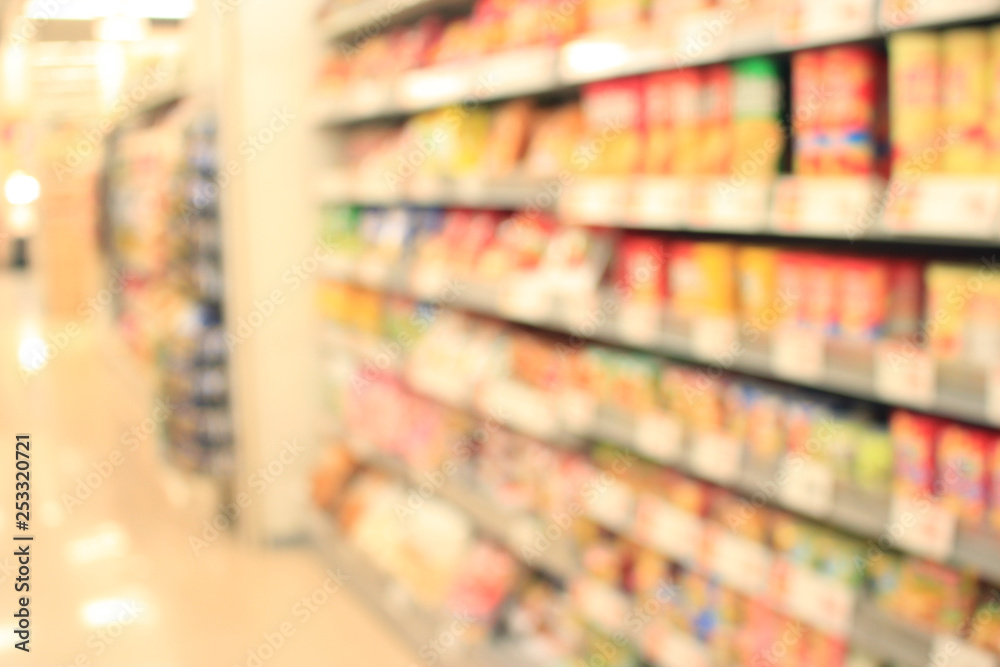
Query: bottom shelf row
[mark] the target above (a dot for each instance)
(460, 593)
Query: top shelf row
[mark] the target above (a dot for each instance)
(360, 20)
(698, 38)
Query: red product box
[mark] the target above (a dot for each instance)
(807, 97)
(819, 302)
(614, 114)
(716, 118)
(791, 281)
(993, 480)
(661, 98)
(862, 296)
(962, 466)
(913, 440)
(906, 297)
(642, 275)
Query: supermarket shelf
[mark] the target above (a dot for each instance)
(416, 624)
(936, 13)
(840, 209)
(853, 510)
(887, 639)
(372, 16)
(513, 529)
(849, 370)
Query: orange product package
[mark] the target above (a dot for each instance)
(703, 279)
(852, 103)
(689, 131)
(661, 128)
(962, 466)
(642, 270)
(819, 300)
(862, 285)
(808, 97)
(717, 121)
(914, 440)
(614, 141)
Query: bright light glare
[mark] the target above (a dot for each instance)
(33, 353)
(110, 542)
(105, 612)
(122, 29)
(111, 69)
(589, 57)
(21, 219)
(95, 9)
(21, 189)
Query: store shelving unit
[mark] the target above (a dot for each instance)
(784, 208)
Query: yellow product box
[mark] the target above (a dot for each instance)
(757, 271)
(963, 313)
(965, 99)
(702, 279)
(914, 91)
(993, 92)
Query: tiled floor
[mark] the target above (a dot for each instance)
(114, 581)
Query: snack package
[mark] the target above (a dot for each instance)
(851, 105)
(642, 270)
(873, 460)
(906, 297)
(508, 138)
(808, 96)
(984, 625)
(758, 137)
(913, 440)
(915, 94)
(963, 302)
(791, 276)
(614, 118)
(556, 136)
(690, 133)
(862, 297)
(965, 99)
(819, 301)
(933, 596)
(717, 149)
(993, 91)
(962, 460)
(661, 98)
(605, 14)
(702, 279)
(993, 481)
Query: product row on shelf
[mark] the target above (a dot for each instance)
(495, 54)
(845, 145)
(912, 331)
(657, 524)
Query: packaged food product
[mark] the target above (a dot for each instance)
(510, 131)
(862, 297)
(933, 596)
(913, 439)
(915, 94)
(993, 481)
(962, 458)
(993, 91)
(850, 109)
(984, 625)
(662, 139)
(808, 96)
(615, 137)
(965, 99)
(605, 14)
(906, 297)
(702, 279)
(873, 460)
(691, 134)
(642, 270)
(819, 301)
(716, 156)
(791, 276)
(758, 137)
(963, 303)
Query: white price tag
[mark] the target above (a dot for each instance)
(808, 486)
(950, 651)
(526, 407)
(517, 71)
(448, 388)
(905, 374)
(669, 529)
(743, 564)
(828, 21)
(663, 203)
(731, 205)
(525, 298)
(640, 325)
(659, 436)
(435, 86)
(683, 650)
(946, 206)
(599, 602)
(717, 456)
(612, 504)
(923, 527)
(820, 600)
(603, 201)
(430, 282)
(829, 206)
(901, 13)
(577, 410)
(798, 353)
(713, 338)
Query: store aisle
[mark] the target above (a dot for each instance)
(114, 580)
